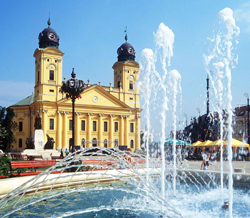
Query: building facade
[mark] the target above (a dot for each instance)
(240, 124)
(104, 115)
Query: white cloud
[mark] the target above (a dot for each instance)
(12, 92)
(242, 15)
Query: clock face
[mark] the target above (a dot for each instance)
(94, 99)
(52, 36)
(130, 51)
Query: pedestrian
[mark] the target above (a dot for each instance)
(178, 155)
(205, 163)
(66, 151)
(61, 156)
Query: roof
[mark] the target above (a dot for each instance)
(25, 102)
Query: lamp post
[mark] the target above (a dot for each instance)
(72, 88)
(247, 96)
(185, 115)
(198, 110)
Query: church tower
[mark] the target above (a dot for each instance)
(126, 72)
(48, 66)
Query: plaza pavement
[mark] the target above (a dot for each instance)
(216, 165)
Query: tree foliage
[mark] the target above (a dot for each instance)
(7, 125)
(3, 134)
(4, 163)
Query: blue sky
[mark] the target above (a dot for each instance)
(91, 31)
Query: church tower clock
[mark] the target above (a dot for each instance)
(48, 66)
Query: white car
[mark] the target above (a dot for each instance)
(1, 152)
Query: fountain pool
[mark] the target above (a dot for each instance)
(121, 199)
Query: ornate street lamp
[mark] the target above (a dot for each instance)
(72, 88)
(185, 115)
(199, 111)
(247, 96)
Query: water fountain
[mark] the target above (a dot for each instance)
(103, 182)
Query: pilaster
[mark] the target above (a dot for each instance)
(126, 140)
(100, 130)
(137, 132)
(78, 133)
(111, 130)
(65, 141)
(121, 139)
(59, 130)
(89, 140)
(44, 123)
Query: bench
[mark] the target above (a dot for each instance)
(98, 162)
(18, 165)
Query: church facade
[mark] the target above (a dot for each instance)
(105, 116)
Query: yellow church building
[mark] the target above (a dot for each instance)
(105, 116)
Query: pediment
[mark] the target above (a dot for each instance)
(96, 96)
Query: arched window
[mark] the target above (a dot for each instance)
(20, 142)
(105, 143)
(131, 85)
(131, 143)
(83, 142)
(94, 142)
(116, 142)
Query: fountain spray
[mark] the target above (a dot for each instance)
(175, 87)
(221, 59)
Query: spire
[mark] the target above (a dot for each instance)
(49, 22)
(126, 36)
(73, 73)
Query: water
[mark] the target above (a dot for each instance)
(222, 60)
(205, 202)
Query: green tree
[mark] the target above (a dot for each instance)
(3, 134)
(7, 127)
(4, 164)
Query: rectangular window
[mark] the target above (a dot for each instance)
(105, 126)
(83, 125)
(116, 126)
(131, 144)
(70, 124)
(51, 124)
(51, 74)
(94, 126)
(20, 126)
(131, 127)
(20, 143)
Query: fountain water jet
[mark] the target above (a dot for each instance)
(222, 60)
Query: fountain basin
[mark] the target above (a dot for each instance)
(10, 184)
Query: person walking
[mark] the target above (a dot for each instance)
(61, 156)
(178, 155)
(66, 151)
(205, 163)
